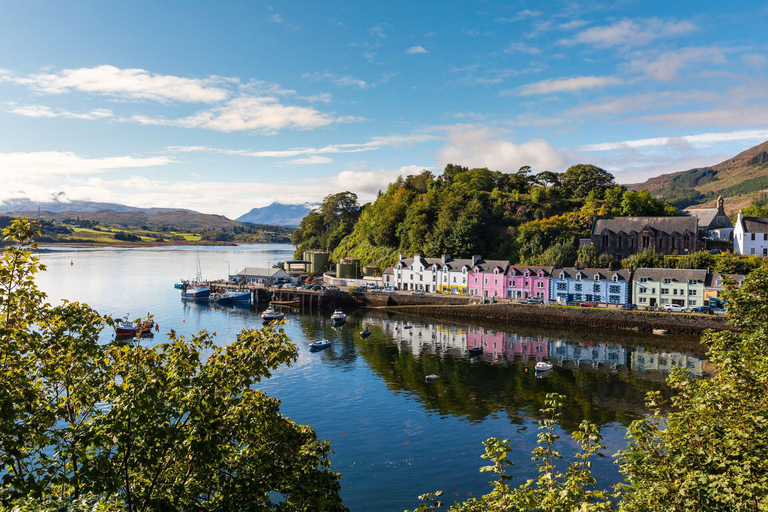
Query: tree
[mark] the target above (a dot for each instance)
(581, 179)
(123, 426)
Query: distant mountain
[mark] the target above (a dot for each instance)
(178, 219)
(739, 180)
(277, 214)
(27, 205)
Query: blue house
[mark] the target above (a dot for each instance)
(590, 284)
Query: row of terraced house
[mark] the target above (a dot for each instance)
(498, 279)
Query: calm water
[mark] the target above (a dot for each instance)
(395, 436)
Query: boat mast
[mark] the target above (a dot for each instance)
(199, 276)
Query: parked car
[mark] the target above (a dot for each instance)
(588, 304)
(317, 288)
(534, 300)
(628, 306)
(674, 308)
(417, 292)
(704, 309)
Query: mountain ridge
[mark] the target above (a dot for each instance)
(277, 214)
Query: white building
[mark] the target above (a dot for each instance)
(262, 276)
(750, 236)
(445, 274)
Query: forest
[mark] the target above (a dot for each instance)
(525, 217)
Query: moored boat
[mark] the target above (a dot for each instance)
(239, 297)
(220, 298)
(126, 327)
(196, 292)
(270, 315)
(365, 333)
(319, 345)
(475, 351)
(338, 317)
(181, 284)
(543, 366)
(431, 378)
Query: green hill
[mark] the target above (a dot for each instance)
(740, 180)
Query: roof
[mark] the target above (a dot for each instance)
(488, 265)
(605, 274)
(389, 270)
(755, 224)
(669, 225)
(679, 275)
(712, 279)
(459, 264)
(259, 272)
(520, 269)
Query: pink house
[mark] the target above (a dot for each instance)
(528, 282)
(487, 279)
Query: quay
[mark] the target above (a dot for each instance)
(438, 306)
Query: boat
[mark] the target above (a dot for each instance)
(196, 292)
(365, 333)
(543, 366)
(181, 284)
(431, 378)
(407, 326)
(475, 351)
(126, 327)
(292, 303)
(319, 345)
(220, 298)
(239, 297)
(270, 314)
(338, 317)
(660, 332)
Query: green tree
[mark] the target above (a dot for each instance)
(122, 426)
(581, 179)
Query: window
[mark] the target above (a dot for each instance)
(597, 277)
(692, 281)
(642, 300)
(562, 275)
(691, 293)
(692, 302)
(753, 236)
(667, 281)
(643, 290)
(614, 288)
(665, 291)
(596, 288)
(562, 286)
(495, 281)
(577, 287)
(615, 277)
(539, 285)
(613, 298)
(752, 250)
(578, 276)
(643, 279)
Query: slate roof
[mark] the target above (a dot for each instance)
(490, 265)
(518, 270)
(259, 272)
(389, 270)
(755, 224)
(605, 274)
(707, 216)
(669, 225)
(712, 279)
(679, 275)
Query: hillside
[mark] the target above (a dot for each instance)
(27, 205)
(277, 214)
(740, 180)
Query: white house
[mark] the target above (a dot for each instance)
(654, 287)
(262, 276)
(445, 275)
(750, 236)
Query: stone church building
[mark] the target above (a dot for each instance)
(713, 222)
(621, 237)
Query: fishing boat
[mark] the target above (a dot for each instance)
(319, 345)
(365, 333)
(543, 366)
(196, 290)
(221, 299)
(475, 351)
(239, 297)
(270, 315)
(126, 327)
(338, 317)
(181, 284)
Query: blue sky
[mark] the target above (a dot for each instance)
(223, 106)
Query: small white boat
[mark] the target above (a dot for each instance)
(338, 317)
(432, 377)
(319, 345)
(270, 315)
(543, 366)
(660, 332)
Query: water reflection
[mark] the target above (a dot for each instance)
(604, 382)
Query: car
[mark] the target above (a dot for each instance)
(317, 288)
(674, 308)
(390, 290)
(703, 309)
(628, 306)
(588, 304)
(417, 292)
(534, 300)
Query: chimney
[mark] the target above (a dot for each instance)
(400, 257)
(446, 258)
(476, 259)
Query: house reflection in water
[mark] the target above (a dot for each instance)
(644, 360)
(584, 353)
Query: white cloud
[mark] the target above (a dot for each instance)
(51, 163)
(613, 106)
(343, 81)
(554, 86)
(378, 30)
(521, 15)
(310, 160)
(483, 147)
(276, 18)
(698, 139)
(632, 32)
(323, 97)
(520, 47)
(45, 111)
(137, 84)
(416, 50)
(260, 114)
(667, 66)
(372, 145)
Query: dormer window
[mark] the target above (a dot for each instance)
(667, 281)
(615, 277)
(597, 277)
(496, 271)
(578, 276)
(562, 275)
(541, 273)
(527, 274)
(399, 266)
(692, 281)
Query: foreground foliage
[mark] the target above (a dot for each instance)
(174, 426)
(706, 450)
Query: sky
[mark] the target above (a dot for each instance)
(223, 106)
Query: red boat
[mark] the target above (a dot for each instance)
(127, 328)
